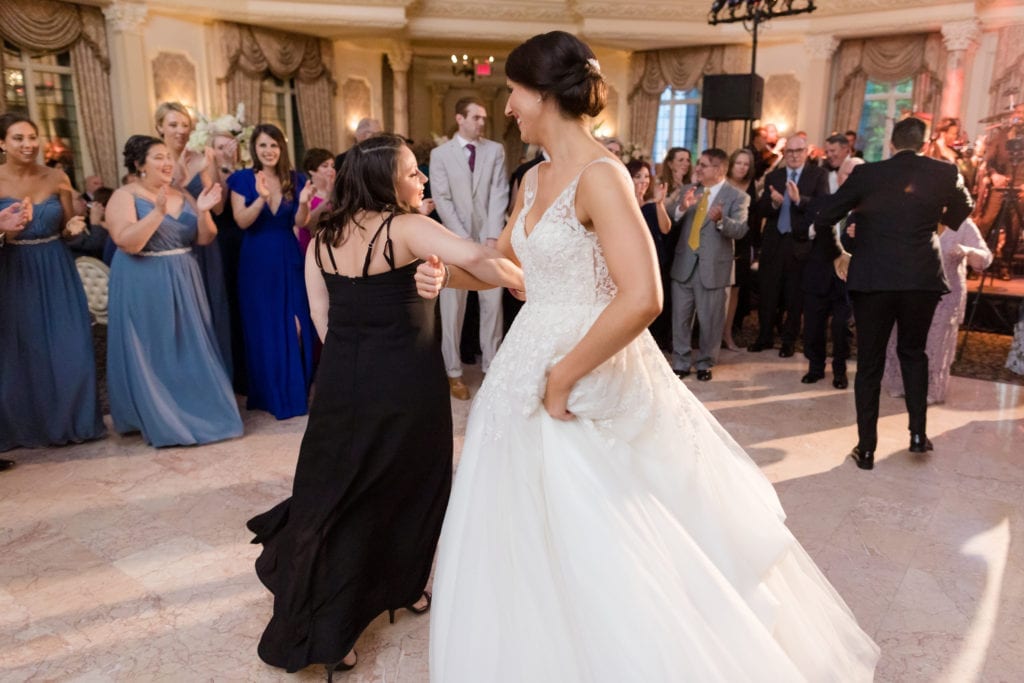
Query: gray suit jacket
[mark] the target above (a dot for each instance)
(713, 258)
(473, 204)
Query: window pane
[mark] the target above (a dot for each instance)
(876, 88)
(298, 145)
(872, 129)
(58, 122)
(14, 90)
(905, 87)
(272, 104)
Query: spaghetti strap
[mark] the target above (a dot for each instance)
(330, 255)
(389, 249)
(319, 259)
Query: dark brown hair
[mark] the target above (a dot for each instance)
(136, 149)
(462, 106)
(366, 182)
(560, 65)
(314, 158)
(283, 167)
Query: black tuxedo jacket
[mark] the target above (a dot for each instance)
(899, 204)
(813, 183)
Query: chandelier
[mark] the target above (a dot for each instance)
(755, 11)
(471, 67)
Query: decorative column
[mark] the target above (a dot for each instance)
(961, 39)
(129, 85)
(814, 91)
(400, 58)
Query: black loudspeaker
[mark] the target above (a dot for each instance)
(728, 97)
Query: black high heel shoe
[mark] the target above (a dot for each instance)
(412, 608)
(340, 666)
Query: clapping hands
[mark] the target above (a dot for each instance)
(75, 226)
(689, 199)
(262, 187)
(16, 216)
(209, 197)
(306, 196)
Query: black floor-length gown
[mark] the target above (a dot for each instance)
(358, 535)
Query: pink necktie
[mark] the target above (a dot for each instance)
(472, 156)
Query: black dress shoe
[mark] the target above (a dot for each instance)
(6, 465)
(758, 346)
(920, 443)
(840, 381)
(682, 373)
(811, 378)
(703, 375)
(786, 350)
(864, 459)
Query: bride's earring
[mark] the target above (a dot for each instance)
(142, 174)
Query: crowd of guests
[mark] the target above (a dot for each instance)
(208, 298)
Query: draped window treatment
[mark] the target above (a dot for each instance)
(52, 26)
(682, 69)
(887, 59)
(252, 53)
(1008, 71)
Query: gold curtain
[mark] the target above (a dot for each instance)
(1008, 71)
(251, 53)
(51, 26)
(655, 70)
(889, 59)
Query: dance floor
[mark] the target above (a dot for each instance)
(125, 563)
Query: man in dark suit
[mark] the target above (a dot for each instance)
(714, 215)
(825, 297)
(895, 275)
(785, 243)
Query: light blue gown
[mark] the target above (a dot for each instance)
(47, 367)
(164, 370)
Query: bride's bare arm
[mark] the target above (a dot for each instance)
(605, 202)
(425, 237)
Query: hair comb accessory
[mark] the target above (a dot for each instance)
(595, 66)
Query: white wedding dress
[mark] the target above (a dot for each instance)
(636, 543)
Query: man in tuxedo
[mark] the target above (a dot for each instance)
(895, 275)
(714, 213)
(470, 188)
(837, 150)
(785, 243)
(825, 297)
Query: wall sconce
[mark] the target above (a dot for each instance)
(471, 67)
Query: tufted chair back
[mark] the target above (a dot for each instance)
(95, 276)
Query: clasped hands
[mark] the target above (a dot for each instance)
(15, 217)
(791, 189)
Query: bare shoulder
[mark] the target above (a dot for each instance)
(413, 221)
(599, 175)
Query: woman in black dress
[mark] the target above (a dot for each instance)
(357, 537)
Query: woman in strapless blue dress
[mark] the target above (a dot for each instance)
(164, 371)
(48, 391)
(174, 123)
(268, 201)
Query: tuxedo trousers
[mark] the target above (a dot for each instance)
(819, 306)
(453, 313)
(875, 314)
(709, 304)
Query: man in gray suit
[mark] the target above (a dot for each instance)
(713, 214)
(469, 185)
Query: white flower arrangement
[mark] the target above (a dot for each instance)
(234, 126)
(632, 151)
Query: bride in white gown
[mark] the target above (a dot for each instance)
(603, 526)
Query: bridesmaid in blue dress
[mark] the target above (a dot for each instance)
(164, 372)
(48, 389)
(192, 172)
(268, 201)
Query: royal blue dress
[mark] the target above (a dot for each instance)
(164, 371)
(47, 367)
(275, 310)
(212, 267)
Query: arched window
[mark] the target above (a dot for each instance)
(679, 122)
(279, 107)
(883, 105)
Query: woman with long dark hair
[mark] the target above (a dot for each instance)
(48, 389)
(357, 536)
(268, 201)
(602, 524)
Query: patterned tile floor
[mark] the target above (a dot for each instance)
(125, 563)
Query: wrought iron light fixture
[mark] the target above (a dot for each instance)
(755, 11)
(471, 67)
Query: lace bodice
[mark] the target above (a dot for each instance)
(567, 288)
(562, 261)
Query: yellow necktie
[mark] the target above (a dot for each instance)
(698, 221)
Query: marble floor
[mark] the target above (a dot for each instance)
(123, 563)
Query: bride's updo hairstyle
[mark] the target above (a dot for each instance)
(366, 182)
(560, 65)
